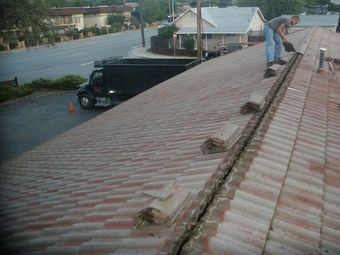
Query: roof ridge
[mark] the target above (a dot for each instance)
(233, 155)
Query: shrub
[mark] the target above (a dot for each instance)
(72, 33)
(68, 82)
(10, 92)
(116, 21)
(41, 84)
(13, 45)
(2, 47)
(167, 31)
(57, 38)
(95, 30)
(189, 44)
(104, 30)
(31, 40)
(85, 30)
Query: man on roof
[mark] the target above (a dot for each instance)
(276, 29)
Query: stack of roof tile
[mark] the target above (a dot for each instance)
(254, 103)
(223, 139)
(165, 207)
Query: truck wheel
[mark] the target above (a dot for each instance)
(85, 101)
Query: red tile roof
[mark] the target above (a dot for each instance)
(282, 197)
(79, 193)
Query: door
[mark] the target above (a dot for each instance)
(97, 83)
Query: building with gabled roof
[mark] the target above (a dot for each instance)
(68, 18)
(147, 176)
(221, 26)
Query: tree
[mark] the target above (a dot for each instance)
(167, 31)
(224, 3)
(334, 8)
(25, 19)
(116, 21)
(272, 9)
(153, 10)
(74, 3)
(58, 3)
(112, 2)
(211, 3)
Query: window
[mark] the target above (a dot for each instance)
(98, 76)
(76, 20)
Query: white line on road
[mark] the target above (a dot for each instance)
(88, 63)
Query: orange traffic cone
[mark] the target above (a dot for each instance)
(71, 107)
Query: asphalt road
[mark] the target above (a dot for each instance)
(35, 119)
(75, 57)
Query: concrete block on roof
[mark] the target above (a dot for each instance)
(166, 206)
(222, 140)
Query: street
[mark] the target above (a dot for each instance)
(75, 57)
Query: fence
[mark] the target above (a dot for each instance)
(8, 83)
(163, 46)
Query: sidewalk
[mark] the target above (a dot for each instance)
(145, 52)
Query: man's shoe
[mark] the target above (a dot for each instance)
(269, 73)
(270, 63)
(280, 62)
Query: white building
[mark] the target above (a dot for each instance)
(81, 17)
(221, 26)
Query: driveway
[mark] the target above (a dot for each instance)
(30, 121)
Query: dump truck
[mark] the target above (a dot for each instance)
(117, 79)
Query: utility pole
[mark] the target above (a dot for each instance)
(141, 21)
(199, 27)
(173, 11)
